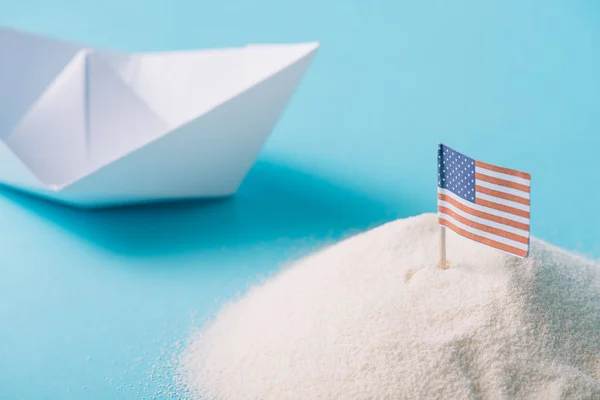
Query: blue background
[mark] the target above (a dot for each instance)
(92, 304)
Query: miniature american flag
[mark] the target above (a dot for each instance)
(484, 202)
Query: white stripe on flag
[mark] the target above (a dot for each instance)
(486, 235)
(483, 208)
(501, 175)
(503, 189)
(483, 221)
(498, 200)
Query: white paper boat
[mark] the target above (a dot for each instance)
(94, 128)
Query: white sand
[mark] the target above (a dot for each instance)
(373, 318)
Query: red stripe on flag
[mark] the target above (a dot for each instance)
(480, 239)
(503, 170)
(502, 182)
(501, 195)
(482, 227)
(501, 207)
(481, 214)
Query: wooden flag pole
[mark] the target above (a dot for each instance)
(443, 264)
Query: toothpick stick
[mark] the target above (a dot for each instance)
(443, 264)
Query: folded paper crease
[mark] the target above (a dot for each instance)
(95, 127)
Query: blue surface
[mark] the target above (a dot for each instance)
(91, 303)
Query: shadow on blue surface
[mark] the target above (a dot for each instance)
(275, 202)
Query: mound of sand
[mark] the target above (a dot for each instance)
(372, 317)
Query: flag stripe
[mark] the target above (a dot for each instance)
(504, 189)
(506, 177)
(499, 200)
(502, 207)
(484, 234)
(481, 214)
(484, 228)
(500, 175)
(501, 182)
(477, 238)
(482, 220)
(506, 196)
(480, 208)
(503, 170)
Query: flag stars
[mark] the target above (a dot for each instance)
(456, 173)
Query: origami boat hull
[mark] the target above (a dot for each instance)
(112, 129)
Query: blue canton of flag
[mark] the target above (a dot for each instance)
(456, 172)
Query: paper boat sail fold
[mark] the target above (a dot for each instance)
(96, 128)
